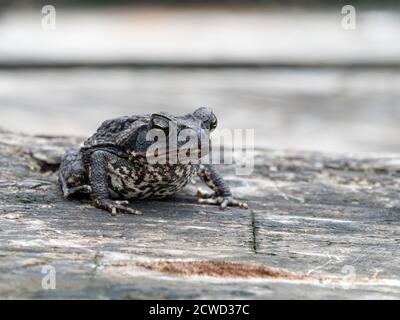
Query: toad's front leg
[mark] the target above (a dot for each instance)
(98, 177)
(221, 194)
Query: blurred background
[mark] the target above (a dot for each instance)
(288, 69)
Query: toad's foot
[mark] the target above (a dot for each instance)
(205, 197)
(115, 207)
(80, 189)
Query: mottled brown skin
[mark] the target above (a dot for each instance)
(113, 168)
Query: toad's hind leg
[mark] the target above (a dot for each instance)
(72, 176)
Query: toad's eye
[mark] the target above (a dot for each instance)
(207, 117)
(213, 122)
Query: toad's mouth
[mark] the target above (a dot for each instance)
(176, 155)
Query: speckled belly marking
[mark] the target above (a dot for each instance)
(142, 180)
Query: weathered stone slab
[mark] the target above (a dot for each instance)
(334, 221)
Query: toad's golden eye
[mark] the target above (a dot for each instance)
(213, 122)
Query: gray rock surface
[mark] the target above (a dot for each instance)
(311, 214)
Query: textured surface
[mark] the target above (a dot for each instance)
(311, 214)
